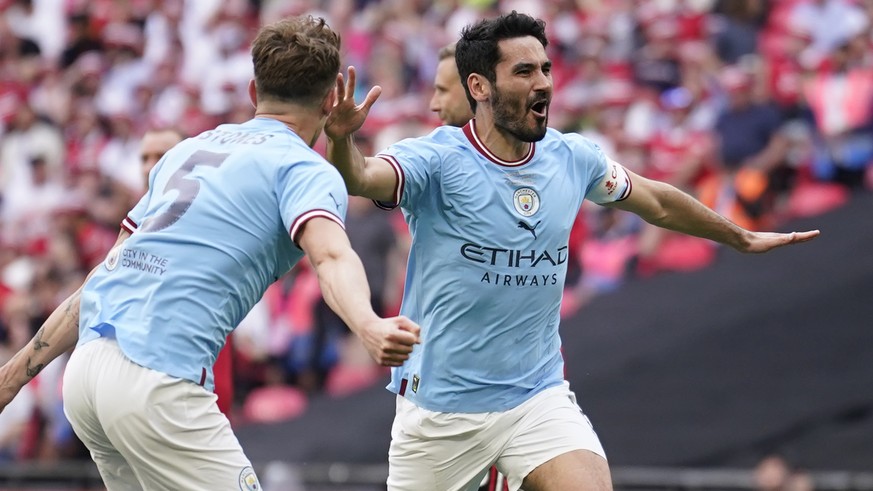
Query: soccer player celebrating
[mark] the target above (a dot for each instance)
(226, 213)
(153, 145)
(490, 207)
(450, 103)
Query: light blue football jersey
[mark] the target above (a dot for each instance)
(488, 261)
(211, 234)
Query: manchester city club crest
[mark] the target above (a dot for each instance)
(112, 258)
(248, 481)
(526, 201)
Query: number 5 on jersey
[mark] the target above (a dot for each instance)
(187, 188)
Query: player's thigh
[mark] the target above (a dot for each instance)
(78, 397)
(172, 433)
(547, 427)
(580, 470)
(186, 441)
(433, 451)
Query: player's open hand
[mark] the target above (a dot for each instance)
(346, 117)
(759, 242)
(390, 341)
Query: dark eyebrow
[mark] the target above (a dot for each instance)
(530, 66)
(524, 66)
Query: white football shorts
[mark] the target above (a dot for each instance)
(433, 451)
(147, 430)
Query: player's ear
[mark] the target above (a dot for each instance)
(480, 87)
(328, 102)
(253, 93)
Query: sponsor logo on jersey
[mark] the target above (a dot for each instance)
(526, 259)
(526, 226)
(514, 258)
(248, 481)
(526, 201)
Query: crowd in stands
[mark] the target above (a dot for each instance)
(763, 110)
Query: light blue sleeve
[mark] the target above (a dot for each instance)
(415, 163)
(607, 181)
(135, 216)
(309, 189)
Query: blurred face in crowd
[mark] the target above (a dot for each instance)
(522, 92)
(449, 100)
(153, 146)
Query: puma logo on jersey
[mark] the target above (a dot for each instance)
(532, 230)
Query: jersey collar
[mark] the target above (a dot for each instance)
(470, 132)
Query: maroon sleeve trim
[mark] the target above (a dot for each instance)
(627, 190)
(398, 189)
(129, 225)
(305, 217)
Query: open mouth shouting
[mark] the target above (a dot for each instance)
(540, 108)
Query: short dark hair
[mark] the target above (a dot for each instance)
(477, 51)
(296, 60)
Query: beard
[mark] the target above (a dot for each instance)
(510, 118)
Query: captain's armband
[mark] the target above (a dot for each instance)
(615, 185)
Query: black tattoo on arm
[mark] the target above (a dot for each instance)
(72, 310)
(38, 343)
(71, 313)
(33, 371)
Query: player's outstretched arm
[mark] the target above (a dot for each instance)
(57, 335)
(370, 177)
(345, 289)
(666, 206)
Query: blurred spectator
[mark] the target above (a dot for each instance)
(656, 62)
(752, 152)
(774, 473)
(737, 28)
(841, 100)
(680, 153)
(119, 157)
(827, 22)
(800, 480)
(30, 177)
(604, 254)
(80, 39)
(771, 473)
(28, 136)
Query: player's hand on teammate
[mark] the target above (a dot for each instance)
(758, 242)
(346, 117)
(390, 341)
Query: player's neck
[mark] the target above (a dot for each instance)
(502, 144)
(304, 122)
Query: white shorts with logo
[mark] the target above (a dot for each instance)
(147, 430)
(433, 451)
